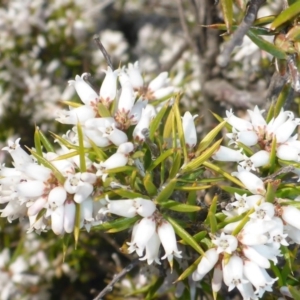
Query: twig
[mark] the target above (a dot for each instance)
(283, 170)
(152, 147)
(116, 278)
(103, 50)
(237, 37)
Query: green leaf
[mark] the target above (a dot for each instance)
(227, 13)
(120, 223)
(264, 20)
(48, 146)
(123, 169)
(197, 162)
(37, 142)
(188, 188)
(184, 235)
(166, 191)
(175, 164)
(77, 223)
(287, 15)
(232, 190)
(181, 207)
(282, 98)
(48, 165)
(161, 158)
(265, 45)
(187, 272)
(149, 185)
(103, 111)
(197, 237)
(81, 149)
(212, 214)
(271, 190)
(127, 194)
(153, 288)
(157, 120)
(208, 139)
(101, 155)
(66, 156)
(295, 292)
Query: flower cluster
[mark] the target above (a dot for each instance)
(242, 254)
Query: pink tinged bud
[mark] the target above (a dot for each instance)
(145, 208)
(158, 82)
(123, 208)
(143, 123)
(37, 206)
(253, 183)
(189, 129)
(227, 154)
(135, 76)
(257, 276)
(30, 189)
(77, 115)
(225, 243)
(216, 282)
(57, 220)
(238, 123)
(257, 119)
(284, 131)
(125, 148)
(291, 215)
(207, 262)
(167, 237)
(256, 257)
(287, 152)
(69, 216)
(248, 138)
(115, 135)
(84, 90)
(233, 272)
(108, 88)
(57, 197)
(152, 250)
(126, 100)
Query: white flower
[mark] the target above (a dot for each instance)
(238, 123)
(76, 115)
(167, 237)
(144, 207)
(144, 122)
(126, 100)
(158, 82)
(244, 202)
(31, 188)
(285, 130)
(256, 257)
(57, 220)
(258, 159)
(152, 250)
(291, 215)
(87, 95)
(227, 154)
(287, 152)
(264, 211)
(69, 216)
(253, 183)
(248, 138)
(225, 243)
(257, 120)
(108, 88)
(116, 136)
(134, 74)
(207, 262)
(216, 281)
(189, 129)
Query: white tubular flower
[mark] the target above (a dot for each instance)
(30, 189)
(287, 152)
(152, 250)
(216, 282)
(253, 183)
(123, 208)
(115, 135)
(268, 252)
(87, 95)
(189, 129)
(145, 208)
(167, 237)
(293, 233)
(57, 220)
(228, 154)
(125, 148)
(284, 131)
(248, 138)
(233, 272)
(95, 136)
(137, 109)
(144, 122)
(163, 92)
(108, 88)
(96, 123)
(76, 115)
(257, 120)
(126, 100)
(37, 172)
(258, 277)
(207, 262)
(252, 238)
(247, 291)
(258, 159)
(86, 214)
(13, 210)
(244, 202)
(237, 123)
(291, 215)
(256, 257)
(37, 206)
(56, 197)
(158, 82)
(141, 235)
(225, 243)
(69, 216)
(263, 212)
(19, 156)
(134, 74)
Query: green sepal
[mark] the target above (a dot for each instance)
(212, 215)
(48, 146)
(37, 141)
(157, 120)
(227, 8)
(127, 194)
(81, 149)
(197, 237)
(271, 190)
(149, 185)
(103, 111)
(181, 207)
(166, 191)
(176, 163)
(160, 159)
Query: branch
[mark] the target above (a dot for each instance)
(116, 278)
(103, 50)
(238, 35)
